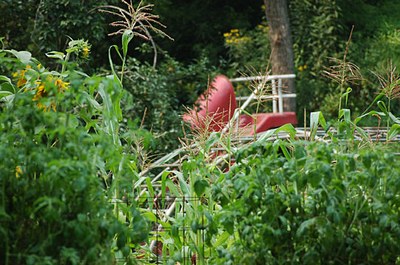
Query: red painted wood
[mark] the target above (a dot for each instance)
(265, 121)
(215, 108)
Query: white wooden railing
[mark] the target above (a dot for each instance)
(277, 94)
(276, 85)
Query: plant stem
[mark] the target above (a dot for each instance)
(343, 73)
(122, 69)
(6, 238)
(65, 62)
(388, 118)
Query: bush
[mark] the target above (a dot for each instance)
(248, 50)
(322, 204)
(54, 209)
(158, 96)
(43, 26)
(62, 166)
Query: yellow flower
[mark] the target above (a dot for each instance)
(262, 27)
(85, 52)
(244, 39)
(301, 68)
(20, 74)
(21, 77)
(18, 172)
(47, 108)
(81, 48)
(40, 92)
(21, 82)
(62, 86)
(41, 106)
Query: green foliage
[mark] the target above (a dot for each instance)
(375, 42)
(71, 150)
(329, 200)
(315, 27)
(320, 31)
(65, 171)
(53, 206)
(188, 233)
(375, 35)
(157, 96)
(43, 26)
(324, 201)
(319, 206)
(248, 50)
(16, 21)
(197, 26)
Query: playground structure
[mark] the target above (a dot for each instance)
(217, 109)
(218, 113)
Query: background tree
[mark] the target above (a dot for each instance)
(319, 31)
(281, 44)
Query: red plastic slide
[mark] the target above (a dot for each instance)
(216, 106)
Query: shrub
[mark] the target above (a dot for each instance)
(54, 208)
(248, 50)
(43, 26)
(321, 204)
(62, 166)
(157, 97)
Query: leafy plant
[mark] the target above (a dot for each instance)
(316, 205)
(65, 173)
(316, 29)
(247, 50)
(43, 26)
(157, 97)
(54, 209)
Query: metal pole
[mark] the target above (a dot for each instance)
(280, 96)
(274, 102)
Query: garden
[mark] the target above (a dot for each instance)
(99, 167)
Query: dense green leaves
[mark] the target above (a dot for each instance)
(43, 26)
(69, 170)
(63, 168)
(53, 203)
(323, 206)
(158, 96)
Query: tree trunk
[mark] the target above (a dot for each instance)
(281, 45)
